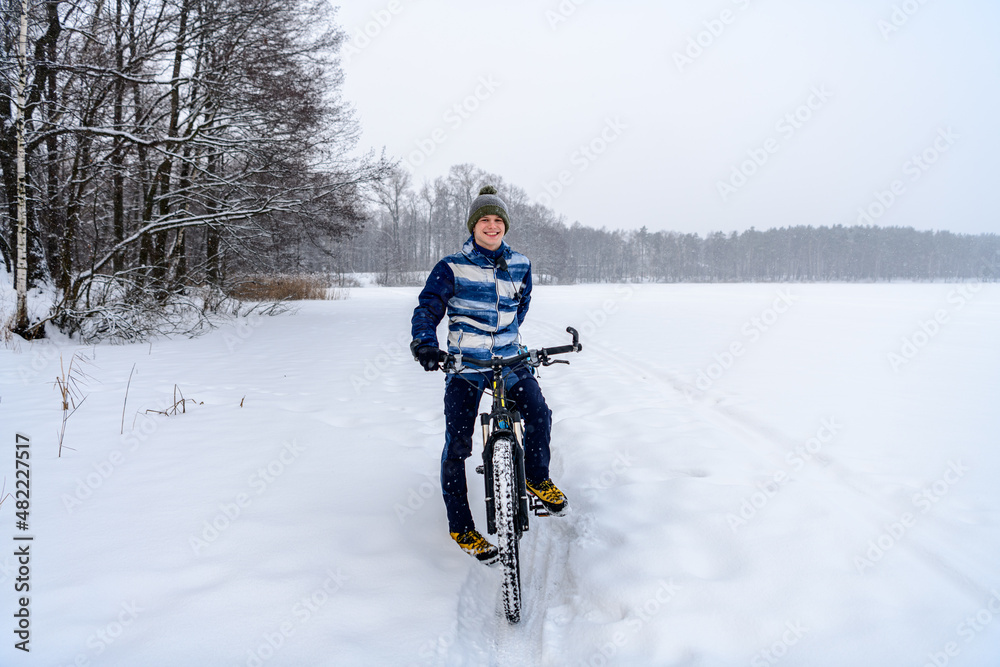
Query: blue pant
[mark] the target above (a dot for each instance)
(462, 394)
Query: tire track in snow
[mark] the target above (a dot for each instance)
(548, 582)
(475, 612)
(484, 637)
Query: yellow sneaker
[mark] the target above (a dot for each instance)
(475, 544)
(550, 496)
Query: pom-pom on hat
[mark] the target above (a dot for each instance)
(488, 203)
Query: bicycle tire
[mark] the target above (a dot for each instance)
(505, 499)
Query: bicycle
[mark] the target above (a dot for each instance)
(507, 497)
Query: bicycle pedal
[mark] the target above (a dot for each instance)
(481, 470)
(536, 506)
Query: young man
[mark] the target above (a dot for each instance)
(485, 290)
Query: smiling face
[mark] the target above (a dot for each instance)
(489, 231)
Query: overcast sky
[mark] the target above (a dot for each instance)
(695, 116)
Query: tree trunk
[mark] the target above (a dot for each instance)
(213, 259)
(21, 277)
(159, 260)
(118, 152)
(51, 209)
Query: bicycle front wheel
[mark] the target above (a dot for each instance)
(505, 499)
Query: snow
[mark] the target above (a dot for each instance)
(759, 474)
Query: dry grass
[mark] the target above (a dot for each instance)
(281, 287)
(70, 383)
(178, 404)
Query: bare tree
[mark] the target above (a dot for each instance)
(392, 196)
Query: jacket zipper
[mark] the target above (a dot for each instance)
(496, 287)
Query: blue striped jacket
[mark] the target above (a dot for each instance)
(485, 304)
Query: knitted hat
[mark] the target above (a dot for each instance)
(487, 203)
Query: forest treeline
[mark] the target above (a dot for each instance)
(412, 227)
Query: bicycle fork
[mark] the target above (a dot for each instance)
(509, 428)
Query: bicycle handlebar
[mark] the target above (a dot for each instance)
(535, 357)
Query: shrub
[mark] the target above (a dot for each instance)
(281, 287)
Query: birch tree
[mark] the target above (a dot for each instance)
(21, 279)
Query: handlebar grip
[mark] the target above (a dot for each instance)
(562, 349)
(576, 337)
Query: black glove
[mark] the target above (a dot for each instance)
(429, 357)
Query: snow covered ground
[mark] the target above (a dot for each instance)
(759, 475)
